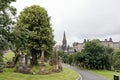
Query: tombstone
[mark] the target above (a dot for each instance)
(57, 67)
(23, 68)
(22, 60)
(55, 61)
(10, 64)
(27, 60)
(42, 65)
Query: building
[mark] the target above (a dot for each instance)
(64, 43)
(109, 43)
(66, 48)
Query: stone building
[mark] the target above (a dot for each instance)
(109, 43)
(66, 48)
(64, 42)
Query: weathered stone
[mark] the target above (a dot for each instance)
(10, 65)
(42, 65)
(22, 60)
(57, 67)
(27, 60)
(23, 68)
(109, 43)
(42, 69)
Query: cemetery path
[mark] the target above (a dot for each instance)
(87, 75)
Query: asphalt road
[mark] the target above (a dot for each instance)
(87, 75)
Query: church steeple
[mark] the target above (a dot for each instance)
(64, 37)
(64, 42)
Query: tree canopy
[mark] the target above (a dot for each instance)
(96, 56)
(7, 13)
(34, 30)
(116, 59)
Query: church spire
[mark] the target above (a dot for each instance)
(64, 37)
(64, 42)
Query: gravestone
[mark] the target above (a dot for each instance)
(10, 64)
(27, 60)
(57, 67)
(22, 60)
(42, 65)
(23, 68)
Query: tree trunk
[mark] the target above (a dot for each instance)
(34, 59)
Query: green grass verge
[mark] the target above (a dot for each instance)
(66, 74)
(106, 73)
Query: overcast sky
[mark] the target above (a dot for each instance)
(80, 19)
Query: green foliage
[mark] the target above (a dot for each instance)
(64, 56)
(33, 31)
(7, 12)
(94, 56)
(116, 59)
(8, 56)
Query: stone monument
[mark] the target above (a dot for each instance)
(42, 65)
(57, 67)
(22, 60)
(23, 68)
(28, 60)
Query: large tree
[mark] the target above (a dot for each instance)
(95, 56)
(7, 12)
(34, 28)
(116, 59)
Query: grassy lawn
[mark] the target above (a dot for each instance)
(107, 74)
(66, 74)
(9, 74)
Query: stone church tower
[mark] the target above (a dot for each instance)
(64, 42)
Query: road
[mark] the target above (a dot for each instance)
(87, 75)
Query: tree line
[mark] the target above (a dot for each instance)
(93, 56)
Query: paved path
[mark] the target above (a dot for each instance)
(86, 75)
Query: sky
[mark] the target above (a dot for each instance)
(80, 19)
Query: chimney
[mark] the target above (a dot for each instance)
(106, 40)
(110, 39)
(84, 40)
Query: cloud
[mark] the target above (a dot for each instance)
(80, 18)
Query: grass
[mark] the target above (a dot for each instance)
(106, 73)
(9, 74)
(47, 68)
(66, 74)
